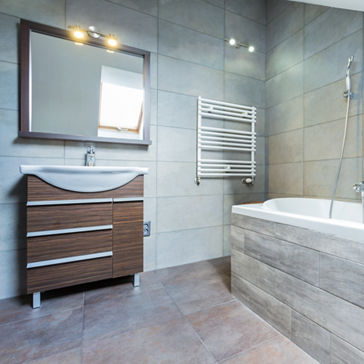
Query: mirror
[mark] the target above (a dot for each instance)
(82, 91)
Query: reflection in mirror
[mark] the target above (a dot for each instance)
(121, 103)
(82, 91)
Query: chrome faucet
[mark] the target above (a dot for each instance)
(359, 187)
(90, 156)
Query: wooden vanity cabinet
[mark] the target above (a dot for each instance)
(75, 238)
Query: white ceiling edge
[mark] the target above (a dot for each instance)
(343, 4)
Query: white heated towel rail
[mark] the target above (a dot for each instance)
(212, 138)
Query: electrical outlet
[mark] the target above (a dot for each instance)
(146, 228)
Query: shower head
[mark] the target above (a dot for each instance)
(347, 92)
(350, 61)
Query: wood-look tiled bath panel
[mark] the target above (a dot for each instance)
(307, 284)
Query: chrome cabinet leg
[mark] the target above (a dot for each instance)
(36, 300)
(136, 280)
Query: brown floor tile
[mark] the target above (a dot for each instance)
(175, 342)
(209, 269)
(19, 308)
(40, 337)
(66, 357)
(200, 293)
(280, 350)
(230, 328)
(126, 312)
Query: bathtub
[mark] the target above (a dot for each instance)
(303, 272)
(311, 214)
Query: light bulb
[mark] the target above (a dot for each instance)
(232, 42)
(78, 33)
(111, 41)
(251, 49)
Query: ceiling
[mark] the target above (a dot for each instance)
(344, 4)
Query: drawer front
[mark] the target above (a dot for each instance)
(39, 190)
(127, 248)
(69, 274)
(68, 245)
(125, 212)
(43, 218)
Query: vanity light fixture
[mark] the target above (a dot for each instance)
(79, 34)
(234, 43)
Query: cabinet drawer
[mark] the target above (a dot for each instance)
(43, 218)
(68, 245)
(127, 248)
(125, 212)
(69, 274)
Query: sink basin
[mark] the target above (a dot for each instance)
(84, 179)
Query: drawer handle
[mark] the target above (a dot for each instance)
(68, 202)
(76, 258)
(68, 231)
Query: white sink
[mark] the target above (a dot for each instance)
(84, 179)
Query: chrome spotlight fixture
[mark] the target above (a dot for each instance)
(80, 34)
(234, 43)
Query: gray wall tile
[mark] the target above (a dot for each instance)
(8, 86)
(9, 39)
(326, 243)
(51, 12)
(186, 246)
(311, 337)
(242, 62)
(342, 278)
(300, 262)
(237, 238)
(286, 147)
(12, 216)
(145, 6)
(327, 103)
(319, 177)
(194, 14)
(189, 212)
(286, 178)
(285, 55)
(176, 144)
(189, 78)
(330, 312)
(329, 65)
(286, 24)
(287, 85)
(313, 11)
(330, 27)
(343, 353)
(265, 305)
(182, 43)
(254, 10)
(244, 90)
(317, 147)
(177, 110)
(285, 116)
(177, 179)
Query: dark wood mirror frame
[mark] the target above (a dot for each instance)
(26, 27)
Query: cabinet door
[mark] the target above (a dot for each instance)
(127, 238)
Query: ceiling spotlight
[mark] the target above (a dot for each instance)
(111, 41)
(77, 32)
(251, 49)
(232, 42)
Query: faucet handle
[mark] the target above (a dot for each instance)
(358, 187)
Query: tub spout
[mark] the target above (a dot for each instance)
(359, 187)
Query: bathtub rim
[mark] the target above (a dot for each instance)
(344, 229)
